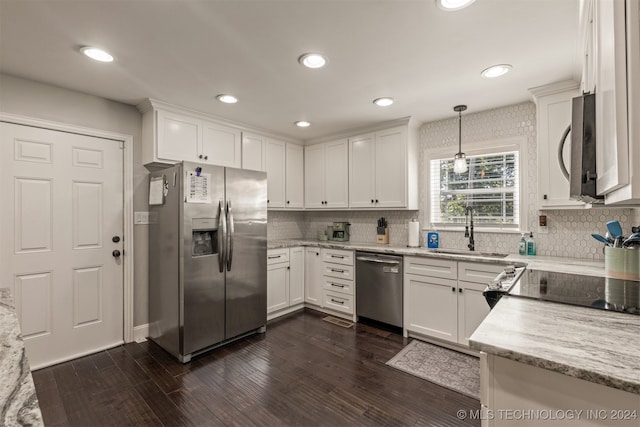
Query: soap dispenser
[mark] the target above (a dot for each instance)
(531, 245)
(522, 245)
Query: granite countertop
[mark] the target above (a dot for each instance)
(562, 265)
(593, 345)
(18, 400)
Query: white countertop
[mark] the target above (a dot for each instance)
(594, 345)
(562, 265)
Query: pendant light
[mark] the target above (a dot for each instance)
(460, 160)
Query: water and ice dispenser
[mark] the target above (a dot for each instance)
(204, 238)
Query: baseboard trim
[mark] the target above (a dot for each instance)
(141, 332)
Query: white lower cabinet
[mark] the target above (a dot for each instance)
(313, 293)
(285, 281)
(443, 298)
(338, 285)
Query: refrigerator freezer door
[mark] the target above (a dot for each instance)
(203, 288)
(247, 277)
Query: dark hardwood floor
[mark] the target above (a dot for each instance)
(303, 371)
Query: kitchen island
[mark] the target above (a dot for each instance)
(18, 400)
(543, 359)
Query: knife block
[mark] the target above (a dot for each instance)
(383, 239)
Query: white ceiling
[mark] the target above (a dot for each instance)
(186, 52)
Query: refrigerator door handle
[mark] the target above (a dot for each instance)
(222, 237)
(230, 235)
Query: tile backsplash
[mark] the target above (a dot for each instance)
(569, 231)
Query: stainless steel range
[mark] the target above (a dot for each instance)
(603, 293)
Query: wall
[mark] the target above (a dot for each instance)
(569, 232)
(41, 101)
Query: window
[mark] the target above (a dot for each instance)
(491, 187)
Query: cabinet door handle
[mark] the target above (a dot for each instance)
(206, 157)
(453, 289)
(200, 156)
(336, 301)
(460, 290)
(371, 200)
(287, 202)
(376, 200)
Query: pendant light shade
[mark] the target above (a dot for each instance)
(460, 160)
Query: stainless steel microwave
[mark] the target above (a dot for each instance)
(582, 174)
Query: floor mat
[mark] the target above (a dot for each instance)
(448, 368)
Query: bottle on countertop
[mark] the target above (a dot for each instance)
(522, 245)
(531, 245)
(433, 238)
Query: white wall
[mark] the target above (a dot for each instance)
(41, 101)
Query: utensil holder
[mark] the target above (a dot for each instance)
(622, 263)
(383, 239)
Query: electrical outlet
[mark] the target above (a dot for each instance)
(141, 218)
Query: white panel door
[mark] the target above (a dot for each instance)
(361, 172)
(336, 174)
(277, 287)
(62, 205)
(391, 168)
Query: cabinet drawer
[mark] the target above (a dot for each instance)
(338, 270)
(478, 272)
(338, 285)
(337, 256)
(431, 267)
(275, 256)
(338, 302)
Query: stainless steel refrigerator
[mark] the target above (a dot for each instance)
(207, 256)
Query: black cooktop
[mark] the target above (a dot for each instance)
(597, 292)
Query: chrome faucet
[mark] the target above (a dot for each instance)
(468, 228)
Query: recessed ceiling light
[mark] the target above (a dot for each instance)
(302, 124)
(383, 102)
(496, 71)
(97, 54)
(227, 99)
(312, 60)
(453, 4)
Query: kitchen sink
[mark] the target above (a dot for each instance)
(470, 253)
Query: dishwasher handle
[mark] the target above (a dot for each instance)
(379, 261)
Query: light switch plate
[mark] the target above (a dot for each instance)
(141, 218)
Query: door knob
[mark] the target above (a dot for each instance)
(116, 253)
(115, 239)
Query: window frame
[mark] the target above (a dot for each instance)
(487, 147)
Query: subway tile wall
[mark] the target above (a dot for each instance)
(569, 231)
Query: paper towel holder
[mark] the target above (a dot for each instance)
(413, 234)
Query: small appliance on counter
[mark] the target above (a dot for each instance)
(339, 232)
(382, 232)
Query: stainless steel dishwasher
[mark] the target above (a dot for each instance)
(379, 287)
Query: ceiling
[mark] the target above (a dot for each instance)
(186, 52)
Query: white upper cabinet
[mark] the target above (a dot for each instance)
(276, 160)
(171, 135)
(294, 186)
(284, 165)
(617, 28)
(383, 169)
(553, 112)
(326, 175)
(254, 152)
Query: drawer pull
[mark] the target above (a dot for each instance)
(337, 285)
(274, 256)
(335, 270)
(337, 256)
(336, 301)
